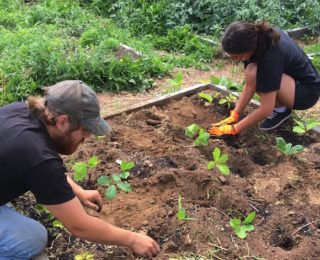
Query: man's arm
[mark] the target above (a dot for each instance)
(88, 198)
(80, 224)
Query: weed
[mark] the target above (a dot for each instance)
(219, 162)
(117, 180)
(175, 84)
(287, 148)
(181, 215)
(241, 228)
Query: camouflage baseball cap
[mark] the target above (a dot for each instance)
(75, 99)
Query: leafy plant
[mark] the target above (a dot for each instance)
(117, 180)
(84, 256)
(241, 228)
(202, 139)
(219, 162)
(81, 168)
(192, 130)
(228, 100)
(287, 148)
(302, 127)
(206, 96)
(181, 215)
(229, 84)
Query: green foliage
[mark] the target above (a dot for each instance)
(81, 168)
(228, 100)
(219, 161)
(175, 84)
(202, 139)
(302, 127)
(206, 96)
(241, 228)
(192, 130)
(117, 181)
(229, 84)
(181, 214)
(287, 148)
(84, 256)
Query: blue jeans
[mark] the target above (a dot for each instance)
(20, 237)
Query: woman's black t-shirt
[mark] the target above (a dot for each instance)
(285, 58)
(28, 159)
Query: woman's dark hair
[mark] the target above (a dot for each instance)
(242, 36)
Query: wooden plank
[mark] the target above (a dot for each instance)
(160, 100)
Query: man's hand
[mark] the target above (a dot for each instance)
(91, 199)
(224, 130)
(234, 116)
(144, 245)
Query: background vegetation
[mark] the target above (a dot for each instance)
(46, 41)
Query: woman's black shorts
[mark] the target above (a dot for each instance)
(305, 96)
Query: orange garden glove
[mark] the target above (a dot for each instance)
(223, 130)
(234, 116)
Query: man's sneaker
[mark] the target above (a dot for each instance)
(275, 119)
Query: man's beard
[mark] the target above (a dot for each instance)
(65, 145)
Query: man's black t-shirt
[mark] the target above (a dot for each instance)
(28, 159)
(285, 57)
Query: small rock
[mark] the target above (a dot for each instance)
(223, 180)
(152, 202)
(170, 213)
(170, 247)
(145, 223)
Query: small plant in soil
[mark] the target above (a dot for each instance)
(181, 215)
(84, 256)
(219, 162)
(81, 168)
(117, 180)
(192, 130)
(241, 228)
(303, 127)
(228, 101)
(287, 148)
(202, 136)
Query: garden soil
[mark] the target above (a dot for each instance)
(283, 191)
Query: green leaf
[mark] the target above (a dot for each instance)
(124, 175)
(223, 159)
(241, 232)
(206, 96)
(116, 177)
(281, 144)
(211, 165)
(202, 139)
(181, 215)
(126, 166)
(312, 123)
(251, 216)
(224, 169)
(124, 186)
(57, 223)
(191, 130)
(215, 80)
(80, 169)
(104, 181)
(222, 101)
(93, 162)
(296, 149)
(298, 130)
(216, 154)
(235, 222)
(111, 192)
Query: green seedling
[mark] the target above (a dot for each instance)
(84, 256)
(229, 84)
(181, 215)
(302, 127)
(192, 130)
(206, 96)
(219, 162)
(175, 84)
(228, 100)
(241, 228)
(202, 139)
(40, 209)
(81, 168)
(287, 148)
(117, 181)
